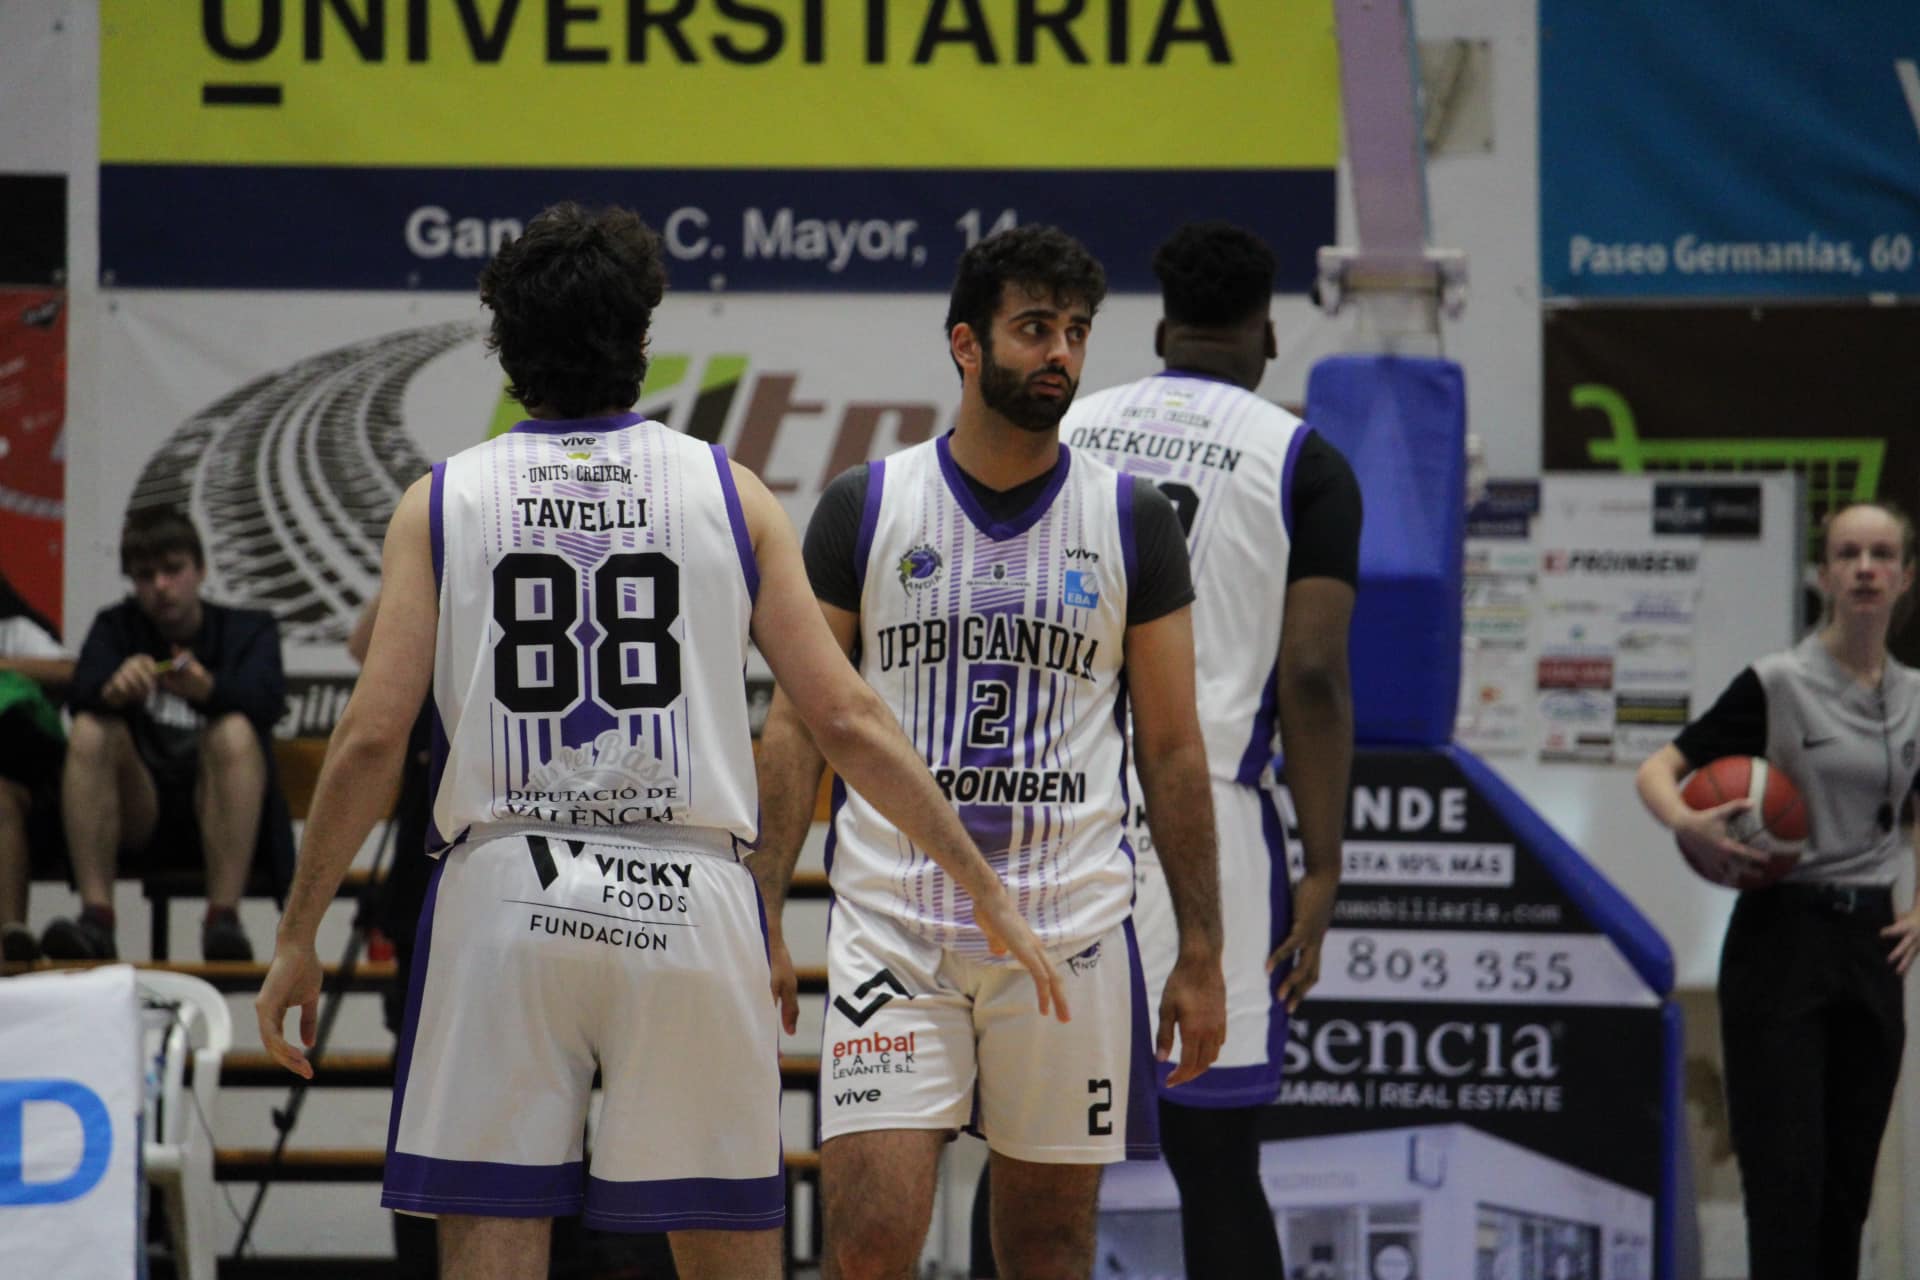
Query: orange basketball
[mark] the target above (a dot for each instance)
(1775, 824)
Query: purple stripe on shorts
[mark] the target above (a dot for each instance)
(483, 1187)
(1143, 1100)
(1129, 551)
(437, 520)
(416, 983)
(869, 520)
(688, 1204)
(1222, 1088)
(749, 566)
(570, 426)
(839, 801)
(1286, 480)
(1280, 918)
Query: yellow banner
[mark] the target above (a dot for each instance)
(961, 84)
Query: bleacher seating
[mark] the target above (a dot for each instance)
(299, 763)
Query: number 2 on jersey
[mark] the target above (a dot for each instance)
(987, 718)
(537, 659)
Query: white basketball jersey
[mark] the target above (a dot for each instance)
(1224, 457)
(999, 645)
(596, 583)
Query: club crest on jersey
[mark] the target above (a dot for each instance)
(1080, 589)
(920, 567)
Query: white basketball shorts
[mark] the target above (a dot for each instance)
(541, 958)
(917, 1037)
(1256, 904)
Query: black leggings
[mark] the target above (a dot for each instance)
(1812, 1026)
(1227, 1230)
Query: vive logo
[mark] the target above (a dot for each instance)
(96, 1144)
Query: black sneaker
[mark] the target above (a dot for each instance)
(80, 939)
(18, 945)
(222, 938)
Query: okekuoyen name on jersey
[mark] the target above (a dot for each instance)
(1153, 444)
(1012, 786)
(1027, 642)
(598, 516)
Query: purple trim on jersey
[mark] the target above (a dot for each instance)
(436, 767)
(410, 1025)
(1253, 761)
(688, 1204)
(437, 520)
(999, 530)
(1129, 546)
(569, 426)
(1143, 1101)
(497, 1190)
(1286, 480)
(749, 566)
(1256, 1083)
(869, 521)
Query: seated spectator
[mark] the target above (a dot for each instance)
(174, 701)
(34, 674)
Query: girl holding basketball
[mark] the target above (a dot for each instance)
(1811, 1018)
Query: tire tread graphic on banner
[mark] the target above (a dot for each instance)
(292, 478)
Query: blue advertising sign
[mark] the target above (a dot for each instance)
(96, 1128)
(1718, 149)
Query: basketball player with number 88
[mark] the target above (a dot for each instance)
(1811, 1006)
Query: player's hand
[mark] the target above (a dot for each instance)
(187, 677)
(1906, 935)
(1705, 831)
(133, 683)
(786, 983)
(293, 979)
(1195, 1003)
(1312, 913)
(1007, 934)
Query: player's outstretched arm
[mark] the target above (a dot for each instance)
(358, 775)
(859, 737)
(1171, 757)
(1315, 701)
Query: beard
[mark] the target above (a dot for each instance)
(1005, 392)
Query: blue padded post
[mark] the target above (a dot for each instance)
(1402, 422)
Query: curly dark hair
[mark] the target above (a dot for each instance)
(1037, 256)
(1214, 274)
(572, 298)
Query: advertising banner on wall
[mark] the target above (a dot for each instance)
(781, 145)
(1484, 1082)
(1664, 174)
(1830, 393)
(288, 425)
(33, 386)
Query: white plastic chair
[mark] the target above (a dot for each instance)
(178, 1141)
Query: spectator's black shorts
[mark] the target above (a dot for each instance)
(33, 760)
